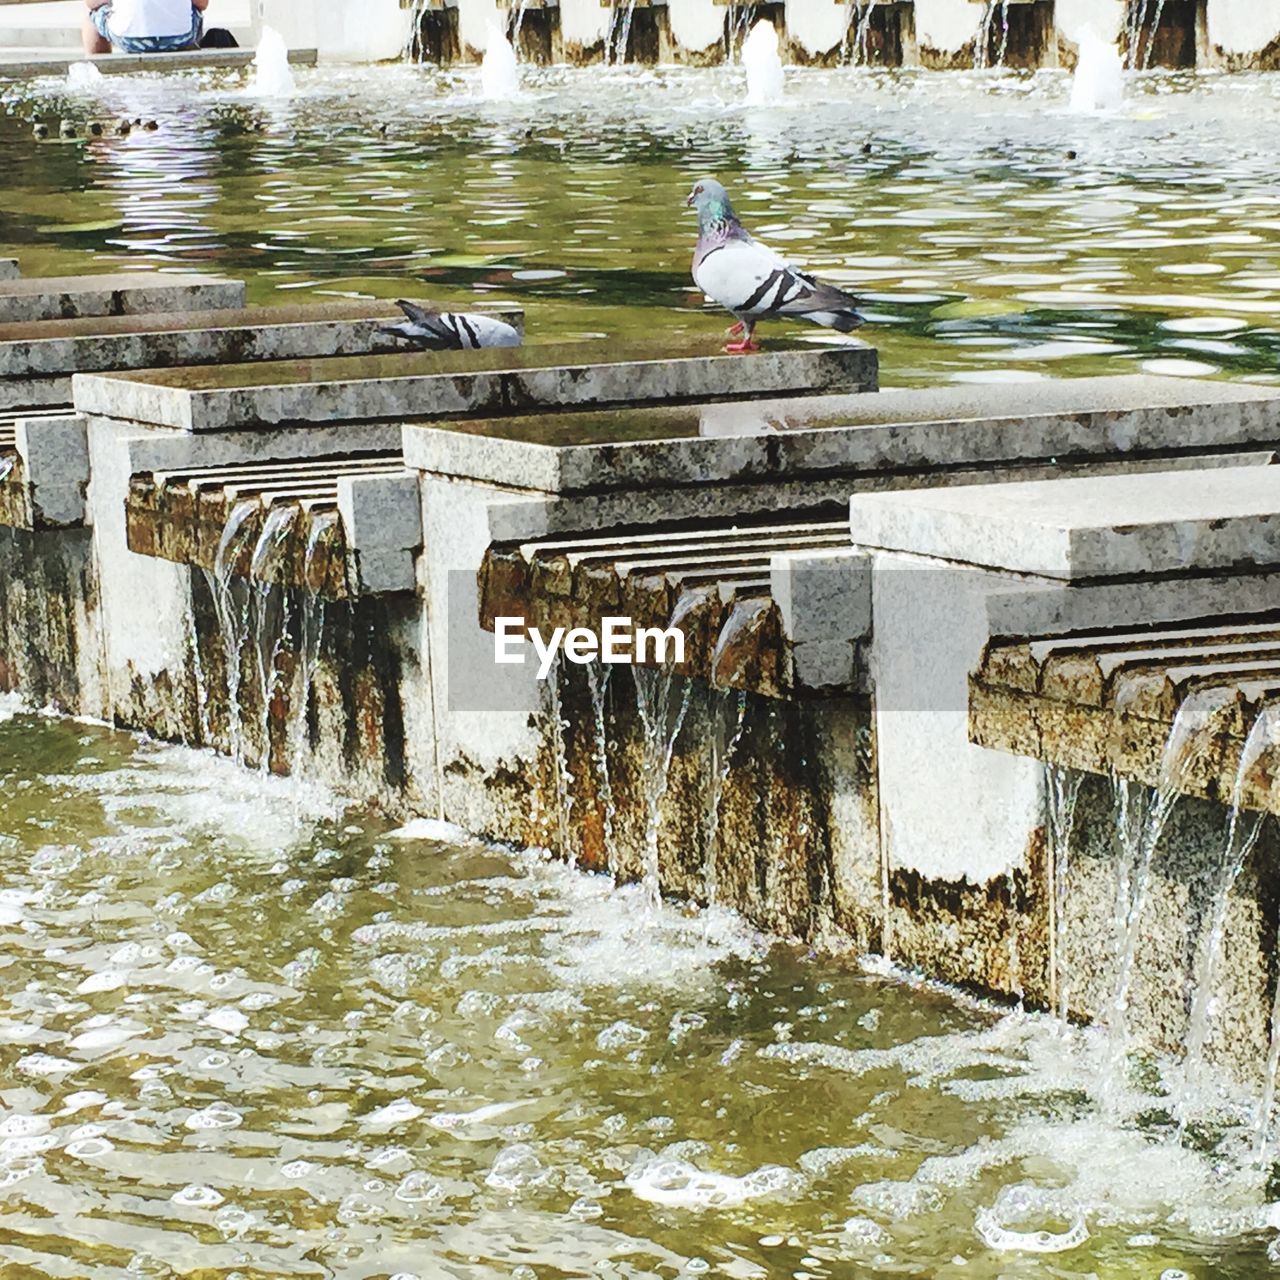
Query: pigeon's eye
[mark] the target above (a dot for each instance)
(697, 191)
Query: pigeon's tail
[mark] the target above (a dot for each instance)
(844, 321)
(833, 309)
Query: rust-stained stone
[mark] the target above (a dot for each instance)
(1109, 703)
(992, 937)
(1186, 872)
(797, 847)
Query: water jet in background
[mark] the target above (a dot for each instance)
(763, 64)
(499, 74)
(1098, 82)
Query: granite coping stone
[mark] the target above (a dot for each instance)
(900, 431)
(376, 388)
(9, 269)
(1087, 527)
(58, 348)
(38, 298)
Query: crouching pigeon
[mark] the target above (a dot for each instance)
(430, 330)
(753, 282)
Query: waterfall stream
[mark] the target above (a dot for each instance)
(1141, 815)
(661, 718)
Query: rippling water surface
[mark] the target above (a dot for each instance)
(991, 233)
(245, 1031)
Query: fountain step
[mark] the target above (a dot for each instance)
(44, 470)
(1107, 701)
(9, 269)
(26, 64)
(1087, 527)
(99, 343)
(836, 440)
(37, 367)
(377, 388)
(26, 300)
(720, 586)
(214, 518)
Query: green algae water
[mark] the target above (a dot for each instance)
(248, 1031)
(991, 234)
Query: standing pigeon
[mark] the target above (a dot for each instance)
(753, 282)
(430, 330)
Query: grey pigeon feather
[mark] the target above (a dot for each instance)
(431, 330)
(752, 281)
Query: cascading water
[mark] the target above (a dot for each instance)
(564, 776)
(661, 719)
(982, 59)
(1241, 835)
(1141, 36)
(857, 38)
(1141, 815)
(618, 38)
(1062, 793)
(728, 718)
(231, 602)
(270, 611)
(598, 675)
(260, 615)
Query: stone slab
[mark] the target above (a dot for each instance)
(59, 348)
(371, 389)
(9, 269)
(30, 63)
(1087, 527)
(24, 301)
(894, 431)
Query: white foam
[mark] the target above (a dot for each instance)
(682, 1185)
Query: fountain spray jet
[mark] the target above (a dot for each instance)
(1098, 83)
(763, 65)
(499, 78)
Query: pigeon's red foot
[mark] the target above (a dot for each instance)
(745, 347)
(735, 330)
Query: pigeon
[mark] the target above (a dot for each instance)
(753, 282)
(430, 330)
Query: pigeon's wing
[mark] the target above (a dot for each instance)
(474, 330)
(753, 282)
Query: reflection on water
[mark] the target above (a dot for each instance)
(245, 1032)
(993, 234)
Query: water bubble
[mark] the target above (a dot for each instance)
(232, 1021)
(217, 1115)
(620, 1035)
(419, 1188)
(89, 1148)
(516, 1168)
(298, 1169)
(233, 1222)
(196, 1196)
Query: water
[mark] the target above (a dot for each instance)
(272, 76)
(1032, 243)
(661, 719)
(1098, 81)
(499, 72)
(244, 1031)
(763, 65)
(1141, 815)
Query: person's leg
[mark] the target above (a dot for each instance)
(91, 35)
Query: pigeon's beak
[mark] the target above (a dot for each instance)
(689, 201)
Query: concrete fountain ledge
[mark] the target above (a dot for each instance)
(370, 389)
(24, 301)
(56, 62)
(36, 364)
(953, 430)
